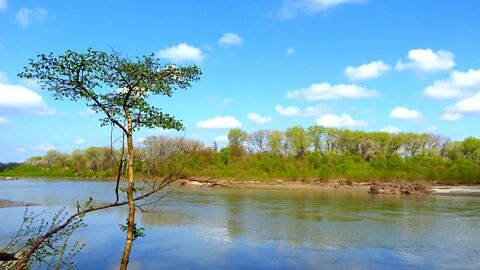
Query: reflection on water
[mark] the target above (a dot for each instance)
(263, 229)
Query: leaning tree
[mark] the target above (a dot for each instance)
(119, 88)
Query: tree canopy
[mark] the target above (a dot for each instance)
(111, 83)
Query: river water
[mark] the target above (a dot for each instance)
(239, 228)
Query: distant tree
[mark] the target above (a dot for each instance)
(317, 137)
(275, 142)
(298, 141)
(118, 87)
(258, 140)
(237, 139)
(471, 148)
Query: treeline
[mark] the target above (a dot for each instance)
(313, 154)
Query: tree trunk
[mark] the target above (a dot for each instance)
(131, 202)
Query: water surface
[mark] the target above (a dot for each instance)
(239, 228)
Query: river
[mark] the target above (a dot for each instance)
(240, 228)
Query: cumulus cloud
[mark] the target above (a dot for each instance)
(325, 91)
(390, 129)
(44, 147)
(3, 4)
(221, 139)
(367, 71)
(451, 117)
(460, 84)
(258, 119)
(340, 121)
(229, 40)
(26, 16)
(220, 122)
(291, 8)
(3, 121)
(79, 141)
(291, 111)
(426, 60)
(290, 51)
(16, 99)
(182, 53)
(470, 105)
(288, 111)
(403, 113)
(32, 84)
(21, 149)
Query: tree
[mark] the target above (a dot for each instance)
(237, 139)
(275, 142)
(258, 140)
(119, 87)
(317, 134)
(298, 140)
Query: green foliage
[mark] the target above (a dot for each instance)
(137, 231)
(327, 154)
(55, 252)
(118, 86)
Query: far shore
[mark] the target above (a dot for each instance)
(8, 203)
(279, 184)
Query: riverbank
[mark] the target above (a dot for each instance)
(280, 184)
(8, 203)
(333, 185)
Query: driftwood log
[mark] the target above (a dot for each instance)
(399, 188)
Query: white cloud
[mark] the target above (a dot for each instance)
(291, 8)
(221, 139)
(26, 16)
(18, 99)
(87, 112)
(315, 110)
(403, 113)
(229, 40)
(141, 139)
(21, 149)
(32, 84)
(290, 51)
(451, 117)
(469, 105)
(288, 111)
(432, 129)
(367, 71)
(3, 121)
(44, 147)
(3, 78)
(427, 60)
(79, 141)
(182, 53)
(258, 119)
(220, 122)
(390, 129)
(325, 91)
(3, 4)
(291, 111)
(460, 84)
(340, 121)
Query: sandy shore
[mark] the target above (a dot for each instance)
(361, 187)
(456, 190)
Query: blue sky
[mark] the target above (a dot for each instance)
(396, 66)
